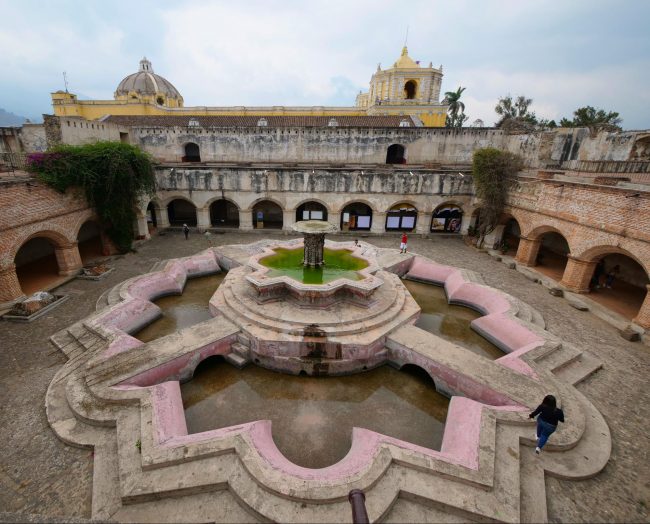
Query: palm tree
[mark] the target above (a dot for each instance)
(508, 109)
(456, 107)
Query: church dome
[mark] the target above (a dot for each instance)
(146, 83)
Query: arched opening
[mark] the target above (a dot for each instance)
(181, 212)
(267, 215)
(207, 365)
(396, 154)
(356, 216)
(36, 265)
(192, 153)
(89, 242)
(446, 218)
(152, 219)
(401, 217)
(410, 88)
(160, 100)
(418, 372)
(552, 256)
(224, 213)
(311, 211)
(619, 283)
(511, 236)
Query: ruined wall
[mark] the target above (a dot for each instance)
(369, 145)
(77, 131)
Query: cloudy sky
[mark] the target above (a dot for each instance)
(562, 54)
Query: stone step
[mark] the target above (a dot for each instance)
(243, 339)
(579, 369)
(102, 301)
(562, 356)
(241, 350)
(236, 360)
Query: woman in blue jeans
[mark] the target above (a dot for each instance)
(549, 416)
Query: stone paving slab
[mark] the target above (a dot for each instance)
(40, 475)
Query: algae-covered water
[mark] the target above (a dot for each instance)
(339, 263)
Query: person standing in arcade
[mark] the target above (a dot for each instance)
(402, 246)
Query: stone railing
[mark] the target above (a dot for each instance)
(605, 166)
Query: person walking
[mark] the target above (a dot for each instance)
(548, 415)
(402, 246)
(186, 231)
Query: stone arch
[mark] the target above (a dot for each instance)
(401, 217)
(447, 217)
(419, 372)
(191, 152)
(356, 216)
(553, 250)
(311, 210)
(314, 199)
(267, 214)
(262, 199)
(57, 238)
(396, 154)
(223, 213)
(511, 233)
(181, 211)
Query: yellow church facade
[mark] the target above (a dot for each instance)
(404, 89)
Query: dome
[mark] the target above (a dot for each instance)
(146, 82)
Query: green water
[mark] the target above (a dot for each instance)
(312, 417)
(339, 263)
(449, 322)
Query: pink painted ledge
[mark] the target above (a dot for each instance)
(460, 445)
(498, 320)
(137, 309)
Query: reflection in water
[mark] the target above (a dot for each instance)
(339, 263)
(181, 311)
(449, 322)
(313, 416)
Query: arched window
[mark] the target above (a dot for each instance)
(446, 218)
(409, 89)
(401, 217)
(356, 217)
(396, 154)
(160, 100)
(192, 153)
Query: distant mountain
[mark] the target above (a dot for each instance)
(9, 119)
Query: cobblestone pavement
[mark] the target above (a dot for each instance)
(41, 475)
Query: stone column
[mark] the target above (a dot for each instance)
(68, 259)
(141, 228)
(245, 219)
(288, 219)
(577, 274)
(527, 251)
(313, 251)
(643, 316)
(465, 222)
(203, 219)
(378, 224)
(423, 224)
(334, 219)
(162, 217)
(10, 291)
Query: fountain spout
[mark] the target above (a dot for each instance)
(314, 232)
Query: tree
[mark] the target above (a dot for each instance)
(494, 174)
(456, 112)
(593, 118)
(515, 110)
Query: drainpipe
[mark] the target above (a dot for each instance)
(358, 501)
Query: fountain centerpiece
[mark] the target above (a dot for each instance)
(314, 232)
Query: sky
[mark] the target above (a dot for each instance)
(562, 54)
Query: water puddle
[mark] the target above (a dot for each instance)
(313, 416)
(181, 311)
(447, 321)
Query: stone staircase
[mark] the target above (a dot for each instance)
(240, 351)
(569, 364)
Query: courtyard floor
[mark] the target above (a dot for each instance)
(40, 475)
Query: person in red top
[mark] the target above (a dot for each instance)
(402, 246)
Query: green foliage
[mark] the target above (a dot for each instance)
(494, 173)
(591, 117)
(111, 175)
(515, 110)
(456, 112)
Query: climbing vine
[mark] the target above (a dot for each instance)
(494, 173)
(112, 176)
